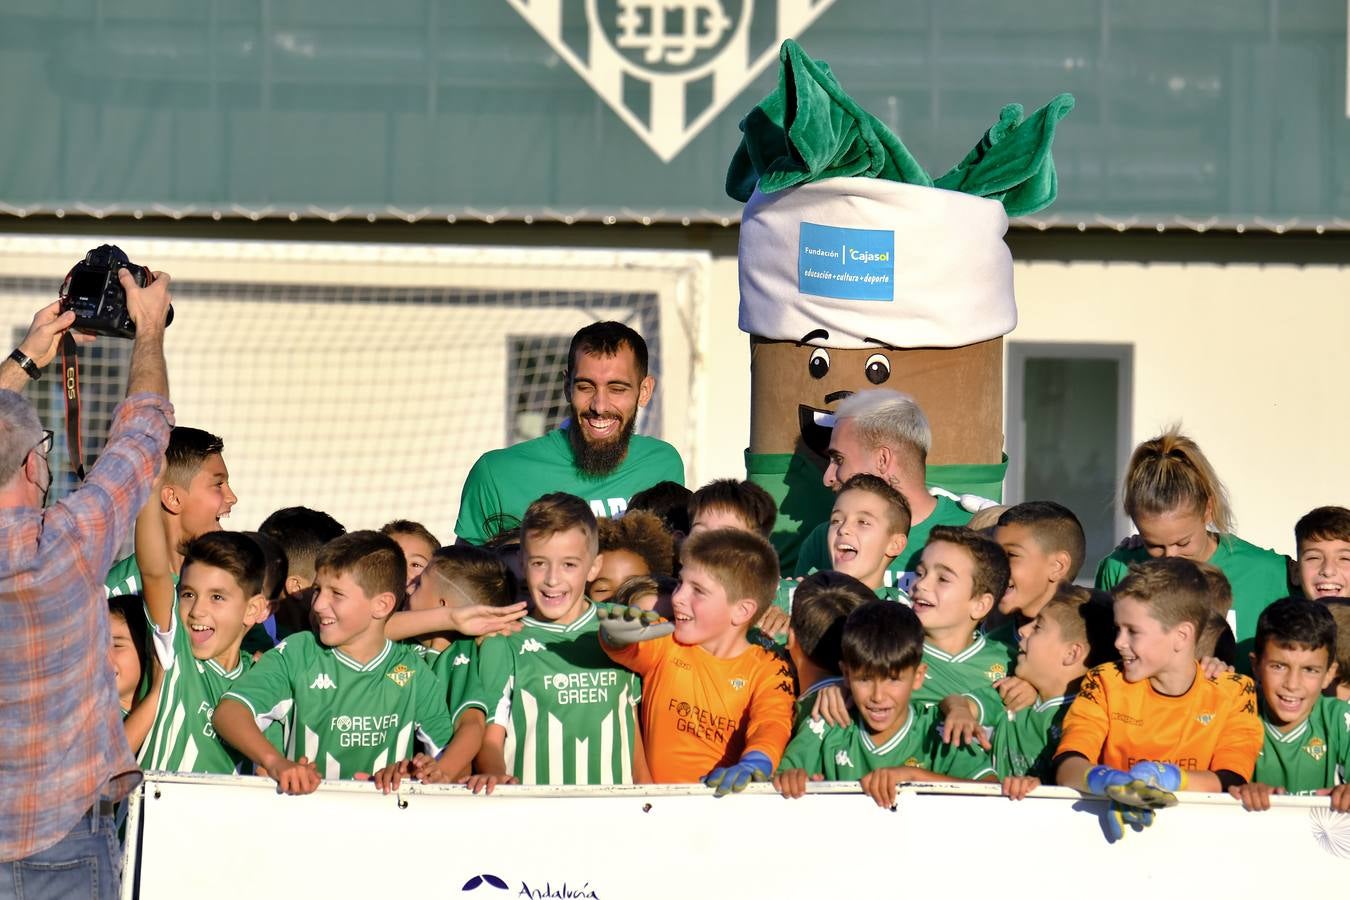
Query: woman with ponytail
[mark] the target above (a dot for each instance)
(1180, 508)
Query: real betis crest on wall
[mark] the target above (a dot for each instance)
(667, 67)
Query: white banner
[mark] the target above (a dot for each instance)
(204, 836)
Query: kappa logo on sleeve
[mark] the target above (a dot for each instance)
(460, 660)
(841, 759)
(323, 683)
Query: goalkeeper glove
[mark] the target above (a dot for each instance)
(754, 766)
(1127, 789)
(624, 625)
(1163, 776)
(1118, 818)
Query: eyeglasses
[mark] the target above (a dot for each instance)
(44, 446)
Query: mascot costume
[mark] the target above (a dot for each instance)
(859, 270)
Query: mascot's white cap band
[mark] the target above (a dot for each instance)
(874, 261)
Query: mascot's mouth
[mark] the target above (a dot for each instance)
(816, 427)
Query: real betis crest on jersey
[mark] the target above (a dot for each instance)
(1313, 755)
(346, 716)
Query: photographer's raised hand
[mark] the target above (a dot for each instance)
(40, 345)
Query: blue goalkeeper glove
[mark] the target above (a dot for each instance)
(1164, 776)
(1129, 789)
(1118, 818)
(754, 766)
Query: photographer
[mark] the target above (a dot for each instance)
(64, 759)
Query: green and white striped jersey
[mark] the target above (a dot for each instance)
(182, 738)
(1312, 756)
(344, 716)
(569, 712)
(848, 753)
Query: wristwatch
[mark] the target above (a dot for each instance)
(23, 361)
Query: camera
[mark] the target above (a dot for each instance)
(94, 291)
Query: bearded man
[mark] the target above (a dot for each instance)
(594, 454)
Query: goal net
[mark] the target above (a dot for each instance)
(365, 380)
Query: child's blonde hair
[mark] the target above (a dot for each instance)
(1170, 473)
(1174, 589)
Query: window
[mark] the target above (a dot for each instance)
(1068, 419)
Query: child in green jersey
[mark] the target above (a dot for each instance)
(1180, 507)
(961, 574)
(1070, 634)
(891, 739)
(1323, 541)
(198, 632)
(558, 711)
(417, 543)
(1307, 744)
(462, 589)
(301, 533)
(636, 545)
(1340, 611)
(352, 701)
(821, 604)
(867, 530)
(1045, 546)
(728, 503)
(192, 495)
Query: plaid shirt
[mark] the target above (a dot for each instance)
(62, 746)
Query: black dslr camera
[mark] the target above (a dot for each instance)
(93, 291)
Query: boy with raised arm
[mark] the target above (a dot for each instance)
(193, 494)
(198, 629)
(716, 708)
(1151, 723)
(891, 739)
(352, 700)
(1307, 735)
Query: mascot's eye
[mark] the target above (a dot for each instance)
(820, 363)
(878, 368)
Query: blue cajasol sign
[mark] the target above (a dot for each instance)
(846, 263)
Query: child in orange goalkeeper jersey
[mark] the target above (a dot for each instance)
(715, 708)
(1153, 723)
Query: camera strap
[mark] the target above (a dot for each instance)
(70, 370)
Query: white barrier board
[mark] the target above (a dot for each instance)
(218, 836)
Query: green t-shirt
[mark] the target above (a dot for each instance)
(969, 672)
(1258, 577)
(848, 753)
(815, 551)
(124, 577)
(502, 483)
(568, 710)
(796, 483)
(453, 668)
(1024, 741)
(182, 738)
(1313, 756)
(345, 716)
(806, 701)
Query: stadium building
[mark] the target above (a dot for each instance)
(384, 222)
